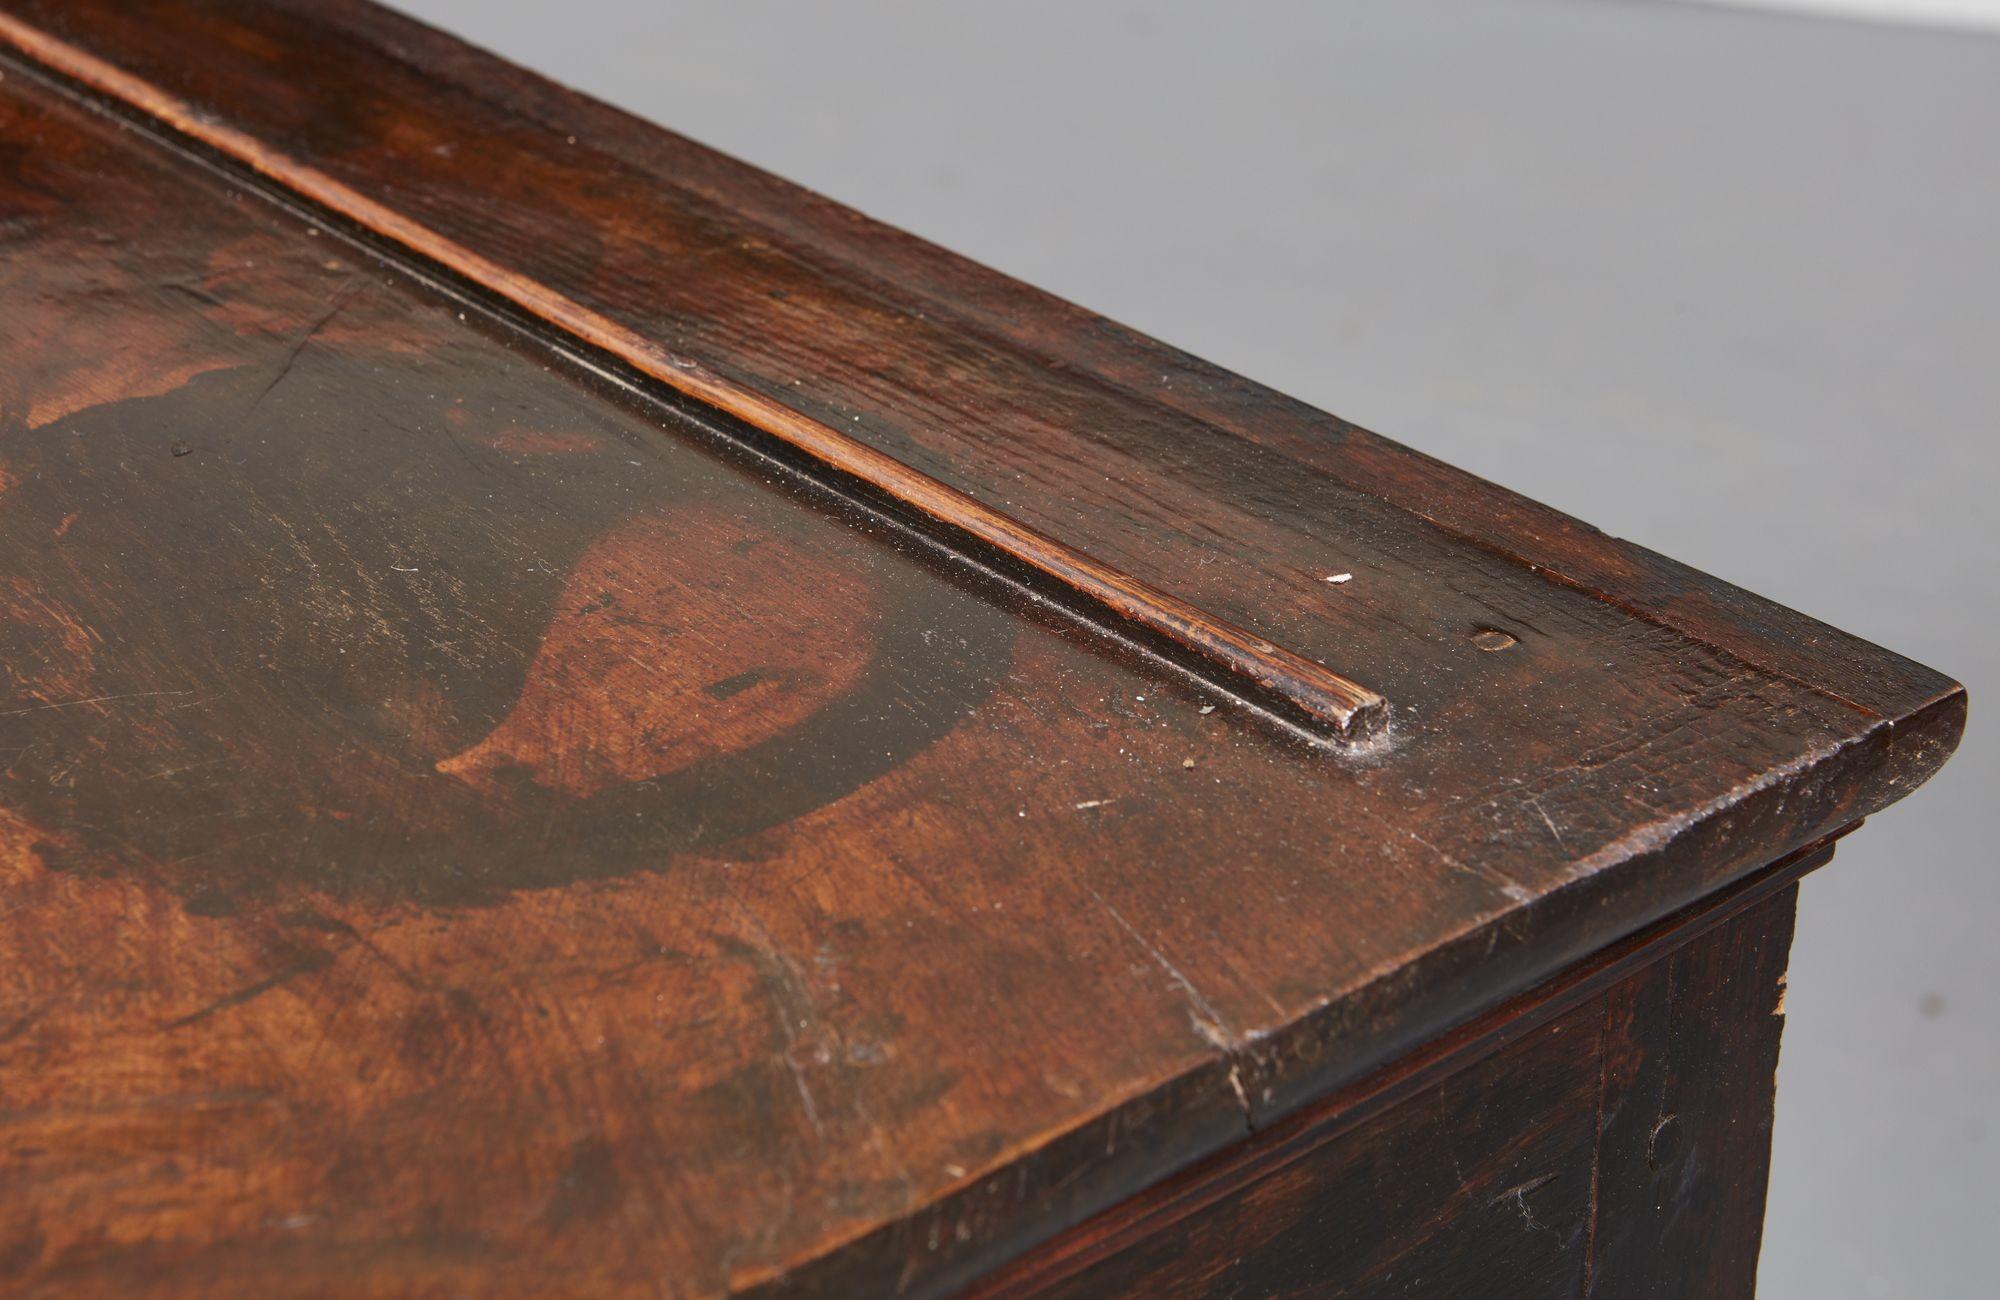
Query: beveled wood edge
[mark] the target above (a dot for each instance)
(1360, 1037)
(1941, 709)
(1266, 1151)
(1305, 694)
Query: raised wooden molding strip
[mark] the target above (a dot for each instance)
(1297, 690)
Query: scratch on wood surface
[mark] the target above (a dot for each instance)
(312, 961)
(1202, 1014)
(1549, 822)
(299, 344)
(806, 1102)
(1513, 889)
(1518, 1194)
(793, 1010)
(1236, 1086)
(95, 699)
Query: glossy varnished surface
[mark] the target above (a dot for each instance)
(466, 824)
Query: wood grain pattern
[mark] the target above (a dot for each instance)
(1620, 1150)
(1295, 688)
(1741, 935)
(473, 818)
(1127, 450)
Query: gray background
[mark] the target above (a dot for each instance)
(1726, 283)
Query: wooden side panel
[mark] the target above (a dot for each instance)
(1619, 1151)
(1690, 1051)
(471, 822)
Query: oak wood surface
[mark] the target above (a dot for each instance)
(735, 276)
(472, 816)
(1206, 1198)
(1297, 689)
(1618, 1152)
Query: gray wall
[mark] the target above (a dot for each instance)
(1724, 283)
(1980, 15)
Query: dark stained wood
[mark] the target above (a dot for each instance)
(1620, 1152)
(1242, 662)
(758, 292)
(1684, 1141)
(1370, 1191)
(474, 817)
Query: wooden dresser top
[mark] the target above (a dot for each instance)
(572, 713)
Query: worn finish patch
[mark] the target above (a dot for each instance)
(422, 619)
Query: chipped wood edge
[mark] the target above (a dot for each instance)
(1298, 690)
